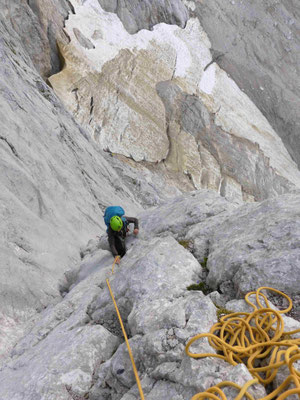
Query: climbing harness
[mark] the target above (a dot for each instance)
(250, 338)
(125, 335)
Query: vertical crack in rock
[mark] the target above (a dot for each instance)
(91, 105)
(70, 6)
(75, 91)
(12, 148)
(91, 110)
(174, 68)
(41, 204)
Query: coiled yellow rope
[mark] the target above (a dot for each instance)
(125, 335)
(249, 338)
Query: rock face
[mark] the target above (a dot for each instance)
(157, 96)
(55, 185)
(69, 352)
(257, 245)
(221, 160)
(257, 44)
(153, 96)
(76, 348)
(39, 24)
(144, 14)
(243, 247)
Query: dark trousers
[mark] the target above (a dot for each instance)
(120, 246)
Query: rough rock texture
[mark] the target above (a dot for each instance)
(258, 44)
(55, 185)
(56, 311)
(69, 351)
(154, 96)
(60, 354)
(242, 248)
(242, 171)
(144, 14)
(39, 23)
(178, 215)
(75, 348)
(256, 245)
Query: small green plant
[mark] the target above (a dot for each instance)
(185, 243)
(199, 286)
(222, 311)
(204, 263)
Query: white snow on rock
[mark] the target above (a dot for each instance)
(111, 89)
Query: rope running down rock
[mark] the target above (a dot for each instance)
(125, 335)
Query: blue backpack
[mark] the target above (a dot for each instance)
(111, 211)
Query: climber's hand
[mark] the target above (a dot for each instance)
(136, 231)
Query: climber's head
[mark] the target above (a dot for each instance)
(116, 223)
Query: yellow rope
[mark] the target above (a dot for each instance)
(125, 335)
(248, 338)
(114, 263)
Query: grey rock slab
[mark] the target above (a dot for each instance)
(264, 247)
(244, 168)
(65, 359)
(144, 14)
(256, 245)
(70, 312)
(257, 44)
(55, 185)
(168, 391)
(178, 215)
(156, 314)
(63, 349)
(151, 186)
(116, 376)
(39, 23)
(133, 394)
(146, 272)
(180, 315)
(85, 42)
(201, 374)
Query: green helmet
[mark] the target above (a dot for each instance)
(116, 223)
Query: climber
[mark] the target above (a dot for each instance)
(117, 232)
(117, 224)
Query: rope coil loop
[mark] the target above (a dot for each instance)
(251, 338)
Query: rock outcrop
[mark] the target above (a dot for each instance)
(158, 96)
(39, 23)
(145, 14)
(70, 350)
(154, 95)
(76, 347)
(55, 185)
(257, 245)
(242, 247)
(257, 44)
